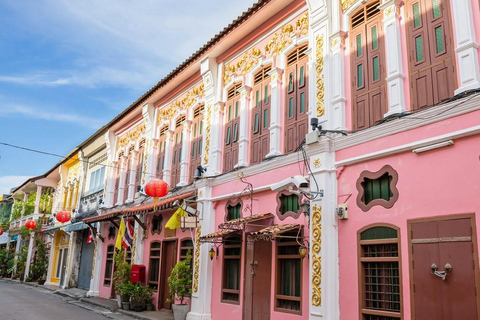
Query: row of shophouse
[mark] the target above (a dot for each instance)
(346, 128)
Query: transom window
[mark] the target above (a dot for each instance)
(380, 274)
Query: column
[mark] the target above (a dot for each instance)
(110, 201)
(243, 141)
(393, 55)
(167, 171)
(31, 245)
(121, 183)
(37, 200)
(466, 46)
(132, 176)
(184, 174)
(202, 298)
(25, 198)
(323, 258)
(97, 265)
(275, 112)
(138, 241)
(335, 79)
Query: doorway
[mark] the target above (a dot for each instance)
(258, 272)
(168, 260)
(443, 269)
(86, 262)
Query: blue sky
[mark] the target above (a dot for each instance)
(67, 67)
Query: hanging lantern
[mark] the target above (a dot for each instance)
(156, 188)
(31, 224)
(211, 253)
(63, 216)
(1, 232)
(302, 251)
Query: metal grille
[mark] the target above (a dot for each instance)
(380, 250)
(382, 286)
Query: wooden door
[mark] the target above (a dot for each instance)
(177, 151)
(439, 243)
(231, 129)
(431, 58)
(169, 259)
(260, 139)
(258, 281)
(196, 142)
(296, 105)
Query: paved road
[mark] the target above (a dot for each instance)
(20, 302)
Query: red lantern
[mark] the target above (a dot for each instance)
(1, 232)
(31, 224)
(63, 216)
(156, 188)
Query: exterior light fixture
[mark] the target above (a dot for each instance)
(306, 209)
(211, 253)
(302, 251)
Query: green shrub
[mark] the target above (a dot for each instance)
(180, 280)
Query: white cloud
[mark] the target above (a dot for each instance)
(9, 182)
(42, 114)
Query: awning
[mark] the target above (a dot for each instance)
(102, 217)
(272, 232)
(165, 203)
(241, 223)
(53, 229)
(216, 237)
(75, 227)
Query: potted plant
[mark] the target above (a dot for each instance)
(137, 299)
(180, 287)
(121, 276)
(126, 290)
(148, 295)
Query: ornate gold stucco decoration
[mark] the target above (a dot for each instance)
(319, 76)
(197, 258)
(183, 103)
(134, 245)
(73, 172)
(131, 136)
(347, 4)
(316, 258)
(316, 163)
(301, 27)
(145, 152)
(279, 41)
(229, 73)
(248, 61)
(207, 134)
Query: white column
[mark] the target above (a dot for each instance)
(243, 139)
(25, 198)
(167, 171)
(17, 250)
(323, 258)
(132, 176)
(138, 258)
(110, 201)
(97, 265)
(275, 112)
(393, 54)
(466, 46)
(31, 244)
(184, 174)
(335, 80)
(37, 200)
(123, 177)
(201, 300)
(216, 141)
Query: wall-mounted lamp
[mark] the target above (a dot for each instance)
(305, 205)
(211, 253)
(302, 251)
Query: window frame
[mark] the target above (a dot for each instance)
(239, 275)
(387, 204)
(151, 283)
(282, 216)
(107, 260)
(361, 271)
(230, 204)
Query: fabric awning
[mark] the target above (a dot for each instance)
(75, 227)
(272, 232)
(241, 223)
(216, 237)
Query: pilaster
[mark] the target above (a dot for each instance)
(167, 171)
(149, 168)
(110, 201)
(31, 245)
(139, 234)
(275, 112)
(123, 177)
(216, 135)
(132, 176)
(184, 174)
(96, 265)
(243, 141)
(335, 78)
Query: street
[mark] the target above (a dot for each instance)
(22, 302)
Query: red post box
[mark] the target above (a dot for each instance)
(138, 273)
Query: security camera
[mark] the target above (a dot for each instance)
(298, 181)
(314, 124)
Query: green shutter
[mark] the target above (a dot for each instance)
(265, 118)
(290, 81)
(360, 75)
(439, 39)
(419, 48)
(290, 108)
(436, 8)
(376, 68)
(416, 15)
(359, 45)
(302, 102)
(255, 125)
(194, 149)
(195, 130)
(265, 98)
(302, 78)
(201, 127)
(236, 109)
(175, 156)
(227, 139)
(229, 113)
(376, 233)
(374, 38)
(200, 147)
(235, 132)
(257, 98)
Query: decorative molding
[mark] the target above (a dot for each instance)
(291, 214)
(131, 136)
(188, 100)
(316, 258)
(207, 134)
(347, 4)
(145, 152)
(73, 172)
(134, 246)
(94, 258)
(316, 163)
(197, 258)
(387, 204)
(248, 61)
(279, 41)
(320, 77)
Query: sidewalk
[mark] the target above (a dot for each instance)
(78, 296)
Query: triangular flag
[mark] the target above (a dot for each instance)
(174, 221)
(121, 233)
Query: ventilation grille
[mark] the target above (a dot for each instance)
(233, 92)
(262, 75)
(164, 130)
(366, 13)
(198, 111)
(296, 55)
(179, 121)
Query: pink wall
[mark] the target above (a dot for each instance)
(436, 183)
(104, 291)
(265, 202)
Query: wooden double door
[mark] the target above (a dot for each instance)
(444, 270)
(258, 271)
(168, 259)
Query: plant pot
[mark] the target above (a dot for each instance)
(138, 308)
(149, 307)
(119, 300)
(126, 305)
(180, 311)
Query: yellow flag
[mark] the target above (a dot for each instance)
(174, 221)
(121, 233)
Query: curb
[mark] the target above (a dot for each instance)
(87, 300)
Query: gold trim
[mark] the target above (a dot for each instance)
(316, 163)
(189, 99)
(197, 258)
(207, 135)
(316, 258)
(134, 246)
(279, 41)
(347, 4)
(320, 78)
(145, 151)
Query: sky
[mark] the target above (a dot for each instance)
(68, 67)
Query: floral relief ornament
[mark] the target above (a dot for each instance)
(316, 258)
(320, 84)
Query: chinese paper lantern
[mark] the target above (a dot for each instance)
(31, 224)
(1, 232)
(156, 188)
(63, 216)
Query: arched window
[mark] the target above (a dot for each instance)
(368, 66)
(177, 150)
(431, 58)
(380, 287)
(296, 104)
(162, 144)
(232, 128)
(260, 142)
(154, 265)
(196, 141)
